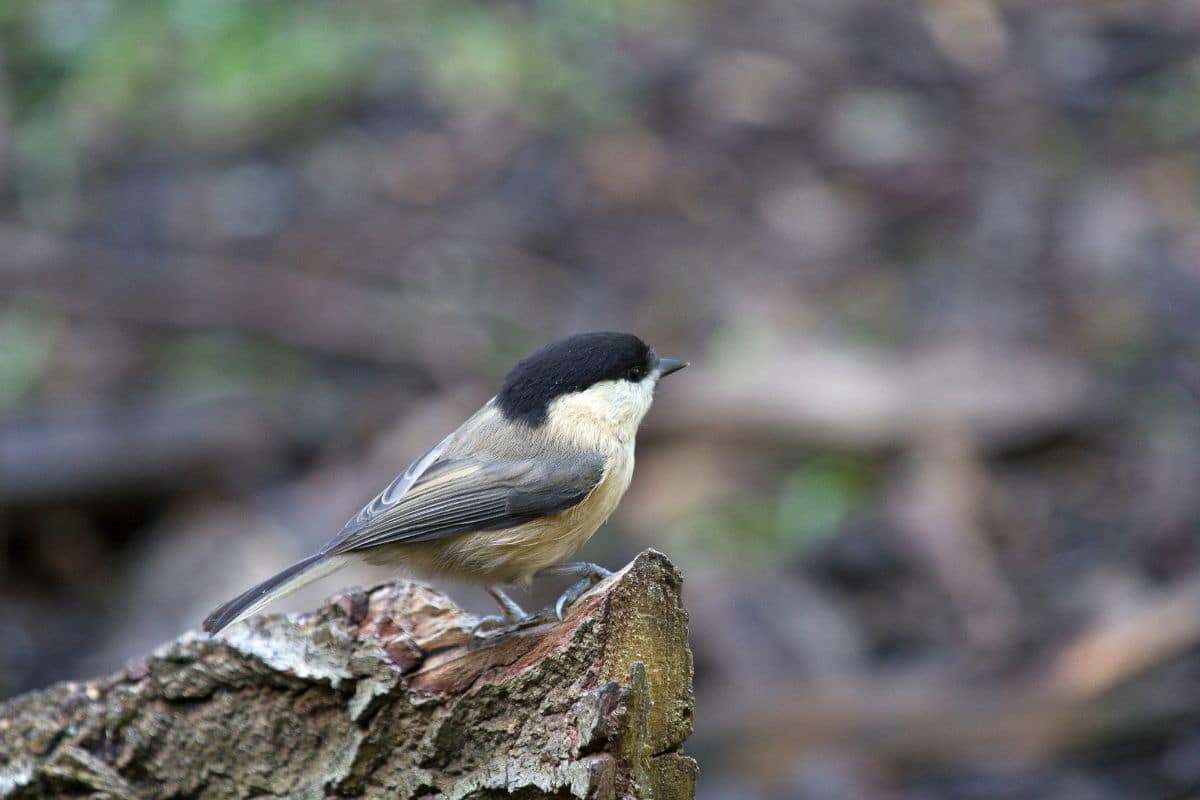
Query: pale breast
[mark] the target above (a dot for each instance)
(603, 500)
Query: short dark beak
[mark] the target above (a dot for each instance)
(668, 365)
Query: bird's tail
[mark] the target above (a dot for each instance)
(294, 577)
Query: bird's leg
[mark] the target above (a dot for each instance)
(516, 617)
(512, 612)
(513, 616)
(589, 575)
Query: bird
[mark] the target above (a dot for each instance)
(520, 486)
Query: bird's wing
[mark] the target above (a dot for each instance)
(399, 487)
(454, 496)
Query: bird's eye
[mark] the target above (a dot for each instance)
(636, 373)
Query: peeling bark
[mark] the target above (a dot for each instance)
(382, 693)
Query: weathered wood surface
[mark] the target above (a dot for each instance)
(382, 693)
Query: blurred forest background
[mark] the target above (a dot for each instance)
(934, 475)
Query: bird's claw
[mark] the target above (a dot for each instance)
(578, 589)
(491, 621)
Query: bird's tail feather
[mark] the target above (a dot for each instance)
(289, 580)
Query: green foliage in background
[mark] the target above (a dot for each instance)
(211, 365)
(217, 73)
(810, 503)
(26, 339)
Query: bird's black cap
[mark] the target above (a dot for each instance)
(570, 365)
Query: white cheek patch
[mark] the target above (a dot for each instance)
(625, 402)
(618, 406)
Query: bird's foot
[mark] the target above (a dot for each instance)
(496, 624)
(491, 623)
(593, 574)
(514, 617)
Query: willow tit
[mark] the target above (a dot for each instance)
(520, 486)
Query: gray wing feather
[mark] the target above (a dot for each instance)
(460, 495)
(400, 486)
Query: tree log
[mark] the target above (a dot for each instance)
(382, 693)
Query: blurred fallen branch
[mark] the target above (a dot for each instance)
(936, 500)
(377, 324)
(1114, 651)
(920, 721)
(46, 457)
(828, 395)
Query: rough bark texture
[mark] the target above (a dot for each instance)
(382, 694)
